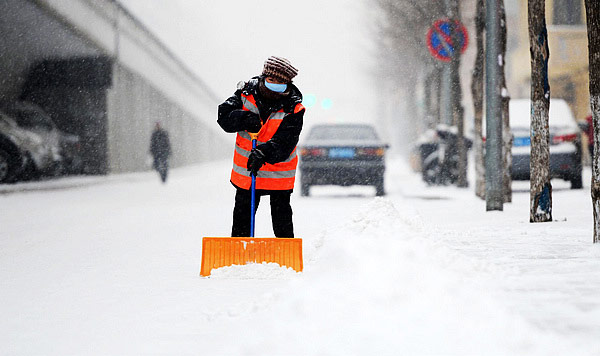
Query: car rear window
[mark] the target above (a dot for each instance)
(343, 133)
(560, 114)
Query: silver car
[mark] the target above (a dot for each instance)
(30, 143)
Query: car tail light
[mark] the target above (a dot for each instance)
(370, 151)
(313, 152)
(564, 138)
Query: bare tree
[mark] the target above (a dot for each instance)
(540, 208)
(403, 57)
(477, 93)
(592, 9)
(402, 28)
(402, 43)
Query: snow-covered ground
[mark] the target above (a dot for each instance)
(110, 265)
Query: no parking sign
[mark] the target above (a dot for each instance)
(439, 39)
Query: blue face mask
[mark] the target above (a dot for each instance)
(278, 88)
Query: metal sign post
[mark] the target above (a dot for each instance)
(442, 39)
(493, 114)
(447, 39)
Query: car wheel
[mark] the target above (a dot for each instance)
(577, 181)
(305, 190)
(379, 191)
(57, 169)
(5, 167)
(30, 172)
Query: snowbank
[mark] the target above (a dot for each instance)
(381, 285)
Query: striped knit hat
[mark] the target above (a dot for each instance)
(279, 68)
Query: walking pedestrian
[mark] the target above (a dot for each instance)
(270, 105)
(160, 148)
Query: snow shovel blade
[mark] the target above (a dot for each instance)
(226, 251)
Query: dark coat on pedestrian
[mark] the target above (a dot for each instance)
(160, 146)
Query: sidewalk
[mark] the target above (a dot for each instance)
(547, 272)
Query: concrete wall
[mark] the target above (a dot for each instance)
(29, 34)
(568, 65)
(149, 83)
(134, 106)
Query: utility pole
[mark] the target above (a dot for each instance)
(446, 107)
(494, 197)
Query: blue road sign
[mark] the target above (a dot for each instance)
(439, 39)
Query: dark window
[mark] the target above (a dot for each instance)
(567, 12)
(32, 119)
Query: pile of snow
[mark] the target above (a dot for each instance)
(379, 285)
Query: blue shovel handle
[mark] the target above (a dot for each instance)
(253, 191)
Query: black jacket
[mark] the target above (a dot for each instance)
(283, 142)
(160, 147)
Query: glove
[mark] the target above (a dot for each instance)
(251, 122)
(256, 160)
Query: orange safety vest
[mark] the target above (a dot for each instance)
(278, 176)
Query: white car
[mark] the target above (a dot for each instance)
(565, 141)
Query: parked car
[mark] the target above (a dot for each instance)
(15, 145)
(50, 150)
(342, 154)
(565, 141)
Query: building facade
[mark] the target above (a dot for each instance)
(102, 75)
(568, 64)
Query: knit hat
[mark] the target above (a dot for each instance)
(279, 68)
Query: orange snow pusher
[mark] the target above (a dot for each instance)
(226, 251)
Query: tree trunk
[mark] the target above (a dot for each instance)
(477, 93)
(506, 133)
(541, 189)
(592, 9)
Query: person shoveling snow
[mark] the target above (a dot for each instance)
(267, 114)
(270, 105)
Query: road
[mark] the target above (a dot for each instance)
(109, 265)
